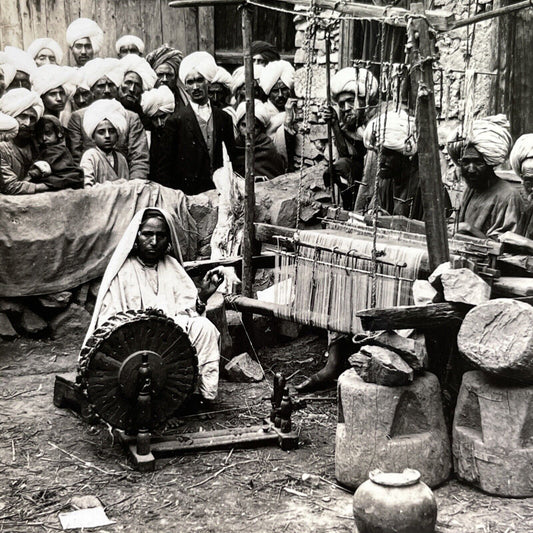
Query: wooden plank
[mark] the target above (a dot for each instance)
(497, 12)
(10, 26)
(346, 48)
(37, 14)
(206, 29)
(413, 316)
(439, 19)
(108, 21)
(173, 27)
(57, 22)
(88, 9)
(191, 30)
(151, 24)
(510, 287)
(26, 24)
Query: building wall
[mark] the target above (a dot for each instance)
(189, 29)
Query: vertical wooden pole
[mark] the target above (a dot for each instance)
(249, 190)
(328, 103)
(428, 145)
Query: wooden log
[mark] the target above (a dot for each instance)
(497, 337)
(507, 10)
(439, 19)
(201, 266)
(511, 286)
(413, 317)
(516, 265)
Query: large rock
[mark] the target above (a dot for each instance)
(32, 324)
(204, 209)
(6, 328)
(375, 364)
(461, 285)
(412, 351)
(424, 293)
(73, 321)
(59, 300)
(435, 276)
(244, 369)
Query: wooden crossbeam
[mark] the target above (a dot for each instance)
(439, 19)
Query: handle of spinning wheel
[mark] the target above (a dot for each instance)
(144, 407)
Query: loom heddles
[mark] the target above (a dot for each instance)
(329, 278)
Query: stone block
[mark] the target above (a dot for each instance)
(7, 331)
(32, 324)
(424, 293)
(390, 428)
(243, 369)
(412, 351)
(435, 276)
(493, 435)
(318, 132)
(74, 321)
(283, 212)
(59, 300)
(461, 285)
(382, 366)
(289, 329)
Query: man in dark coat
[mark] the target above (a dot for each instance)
(198, 130)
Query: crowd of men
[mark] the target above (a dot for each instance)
(169, 118)
(162, 116)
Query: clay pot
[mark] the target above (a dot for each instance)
(394, 503)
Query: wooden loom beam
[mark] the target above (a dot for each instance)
(439, 19)
(428, 144)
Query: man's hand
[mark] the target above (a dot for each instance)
(35, 174)
(466, 228)
(329, 115)
(41, 187)
(210, 284)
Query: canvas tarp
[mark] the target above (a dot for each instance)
(55, 241)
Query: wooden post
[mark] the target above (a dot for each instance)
(334, 194)
(249, 187)
(428, 145)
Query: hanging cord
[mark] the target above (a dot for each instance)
(310, 38)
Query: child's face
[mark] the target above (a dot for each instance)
(105, 136)
(48, 135)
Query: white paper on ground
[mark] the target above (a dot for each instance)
(85, 518)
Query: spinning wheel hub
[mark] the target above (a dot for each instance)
(128, 375)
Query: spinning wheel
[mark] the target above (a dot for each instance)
(137, 369)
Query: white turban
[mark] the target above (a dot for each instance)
(223, 77)
(128, 40)
(16, 101)
(238, 78)
(490, 137)
(394, 130)
(275, 71)
(139, 65)
(202, 62)
(359, 81)
(9, 127)
(522, 150)
(85, 28)
(20, 59)
(160, 99)
(98, 68)
(102, 110)
(50, 77)
(46, 42)
(8, 70)
(260, 113)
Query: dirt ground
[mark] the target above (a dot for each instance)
(48, 455)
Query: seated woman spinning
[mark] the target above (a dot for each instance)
(145, 272)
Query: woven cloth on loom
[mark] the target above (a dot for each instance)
(326, 288)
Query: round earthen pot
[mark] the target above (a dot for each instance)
(394, 503)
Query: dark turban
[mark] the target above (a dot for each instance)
(165, 54)
(268, 51)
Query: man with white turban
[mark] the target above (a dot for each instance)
(105, 123)
(45, 51)
(521, 160)
(85, 39)
(354, 92)
(17, 155)
(197, 130)
(397, 183)
(7, 75)
(103, 77)
(50, 82)
(267, 160)
(489, 206)
(220, 88)
(138, 77)
(238, 90)
(129, 44)
(23, 63)
(158, 106)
